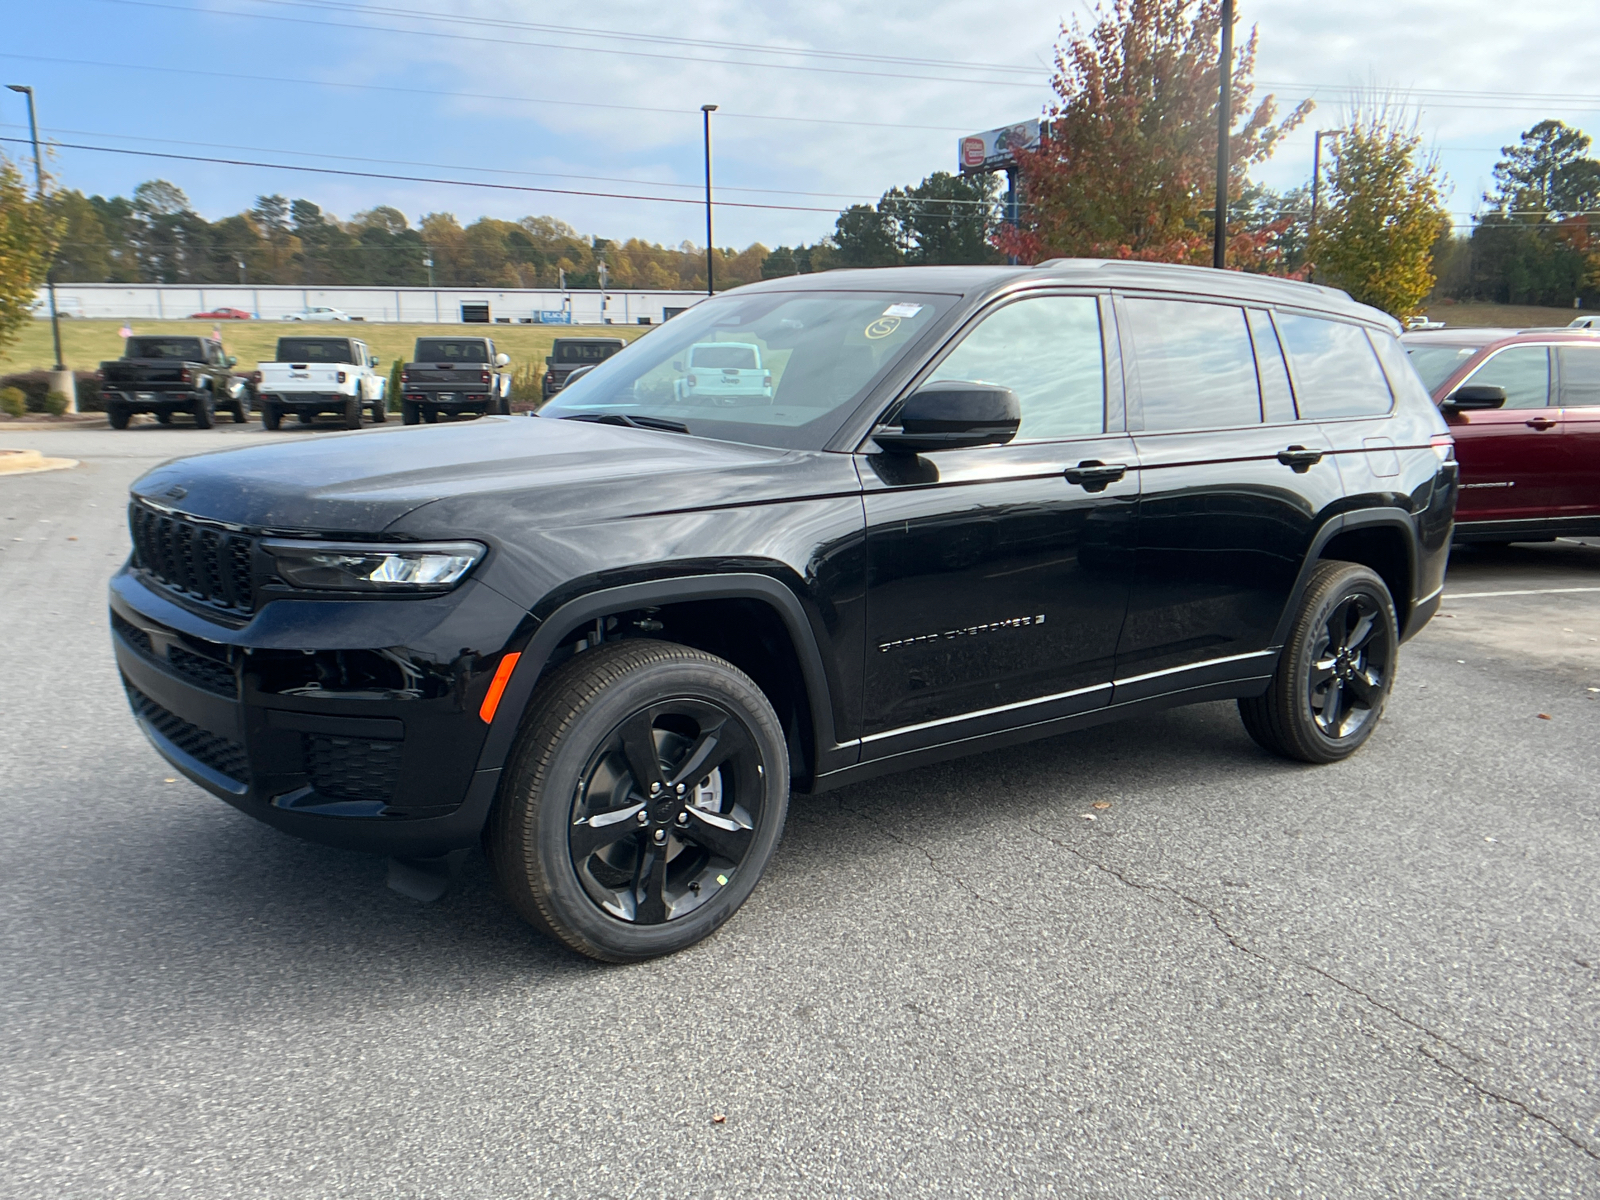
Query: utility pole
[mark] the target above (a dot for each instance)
(428, 262)
(1219, 250)
(705, 111)
(241, 273)
(62, 379)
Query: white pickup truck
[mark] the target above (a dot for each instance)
(315, 375)
(722, 373)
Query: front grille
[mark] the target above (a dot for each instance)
(203, 672)
(219, 753)
(206, 563)
(352, 768)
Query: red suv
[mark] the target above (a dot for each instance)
(1524, 408)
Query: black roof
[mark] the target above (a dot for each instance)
(1120, 273)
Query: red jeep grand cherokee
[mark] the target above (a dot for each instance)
(1524, 408)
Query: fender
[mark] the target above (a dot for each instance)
(1399, 518)
(743, 586)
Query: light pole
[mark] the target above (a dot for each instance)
(1219, 249)
(428, 262)
(50, 270)
(241, 272)
(1316, 183)
(705, 111)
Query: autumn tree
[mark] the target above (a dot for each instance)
(1127, 165)
(1383, 217)
(28, 234)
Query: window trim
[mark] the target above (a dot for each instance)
(1288, 368)
(1130, 356)
(1552, 370)
(1557, 382)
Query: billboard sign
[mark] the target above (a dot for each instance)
(995, 149)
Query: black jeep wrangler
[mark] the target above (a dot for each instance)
(164, 375)
(452, 377)
(576, 355)
(978, 505)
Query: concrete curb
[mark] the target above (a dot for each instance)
(31, 462)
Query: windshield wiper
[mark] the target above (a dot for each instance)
(631, 422)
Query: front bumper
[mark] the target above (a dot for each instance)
(287, 717)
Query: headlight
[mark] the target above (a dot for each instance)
(357, 567)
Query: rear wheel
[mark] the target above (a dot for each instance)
(118, 415)
(270, 416)
(408, 413)
(352, 413)
(1335, 672)
(648, 792)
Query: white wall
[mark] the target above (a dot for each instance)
(147, 301)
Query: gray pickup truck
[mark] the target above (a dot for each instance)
(452, 376)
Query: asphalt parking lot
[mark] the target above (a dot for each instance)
(1243, 978)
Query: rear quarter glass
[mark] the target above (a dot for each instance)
(1336, 370)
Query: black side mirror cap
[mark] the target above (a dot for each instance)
(953, 414)
(1475, 396)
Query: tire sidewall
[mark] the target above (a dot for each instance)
(1328, 592)
(555, 883)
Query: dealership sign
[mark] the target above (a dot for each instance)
(995, 150)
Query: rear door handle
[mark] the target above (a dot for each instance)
(1092, 475)
(1540, 423)
(1300, 458)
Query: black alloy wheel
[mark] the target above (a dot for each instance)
(648, 794)
(1336, 671)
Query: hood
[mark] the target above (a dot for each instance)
(363, 482)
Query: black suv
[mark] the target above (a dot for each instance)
(976, 506)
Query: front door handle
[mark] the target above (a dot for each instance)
(1092, 475)
(1300, 458)
(1540, 423)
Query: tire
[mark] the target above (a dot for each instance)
(408, 413)
(609, 894)
(204, 417)
(271, 418)
(380, 412)
(1342, 652)
(240, 413)
(118, 415)
(164, 417)
(305, 416)
(352, 413)
(430, 416)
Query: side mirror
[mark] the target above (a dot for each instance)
(548, 360)
(372, 360)
(953, 415)
(233, 360)
(1475, 396)
(677, 364)
(502, 360)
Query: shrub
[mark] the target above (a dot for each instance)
(395, 388)
(527, 386)
(35, 386)
(13, 401)
(56, 403)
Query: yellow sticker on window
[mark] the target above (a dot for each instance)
(882, 327)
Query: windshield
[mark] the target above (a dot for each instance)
(178, 349)
(585, 352)
(452, 351)
(802, 360)
(319, 350)
(1436, 363)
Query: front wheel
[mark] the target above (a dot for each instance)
(1335, 672)
(202, 410)
(352, 413)
(647, 794)
(380, 411)
(271, 418)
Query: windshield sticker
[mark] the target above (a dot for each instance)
(902, 310)
(882, 327)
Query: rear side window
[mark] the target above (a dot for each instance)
(1524, 372)
(1580, 376)
(1277, 401)
(1196, 365)
(1336, 372)
(1046, 349)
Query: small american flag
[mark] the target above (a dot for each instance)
(126, 330)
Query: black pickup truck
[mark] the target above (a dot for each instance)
(164, 374)
(574, 354)
(452, 376)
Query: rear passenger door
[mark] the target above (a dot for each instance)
(1578, 486)
(1233, 489)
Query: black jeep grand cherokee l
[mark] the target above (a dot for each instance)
(976, 506)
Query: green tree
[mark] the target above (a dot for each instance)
(867, 237)
(1548, 171)
(84, 252)
(28, 235)
(947, 218)
(1384, 211)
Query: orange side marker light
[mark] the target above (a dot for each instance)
(497, 687)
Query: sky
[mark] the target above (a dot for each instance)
(819, 105)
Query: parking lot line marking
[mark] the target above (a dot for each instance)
(1528, 592)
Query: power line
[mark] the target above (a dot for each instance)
(500, 41)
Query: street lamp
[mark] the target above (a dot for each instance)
(428, 262)
(1316, 168)
(50, 271)
(705, 111)
(241, 272)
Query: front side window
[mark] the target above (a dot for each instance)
(1524, 372)
(1435, 363)
(1195, 363)
(1046, 349)
(1336, 371)
(1580, 376)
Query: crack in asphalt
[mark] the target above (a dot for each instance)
(938, 867)
(1560, 1131)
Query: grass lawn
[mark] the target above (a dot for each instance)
(1470, 314)
(85, 344)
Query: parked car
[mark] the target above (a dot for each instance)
(165, 375)
(318, 314)
(1524, 408)
(452, 377)
(222, 314)
(1423, 323)
(568, 354)
(316, 375)
(1588, 322)
(726, 372)
(983, 505)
